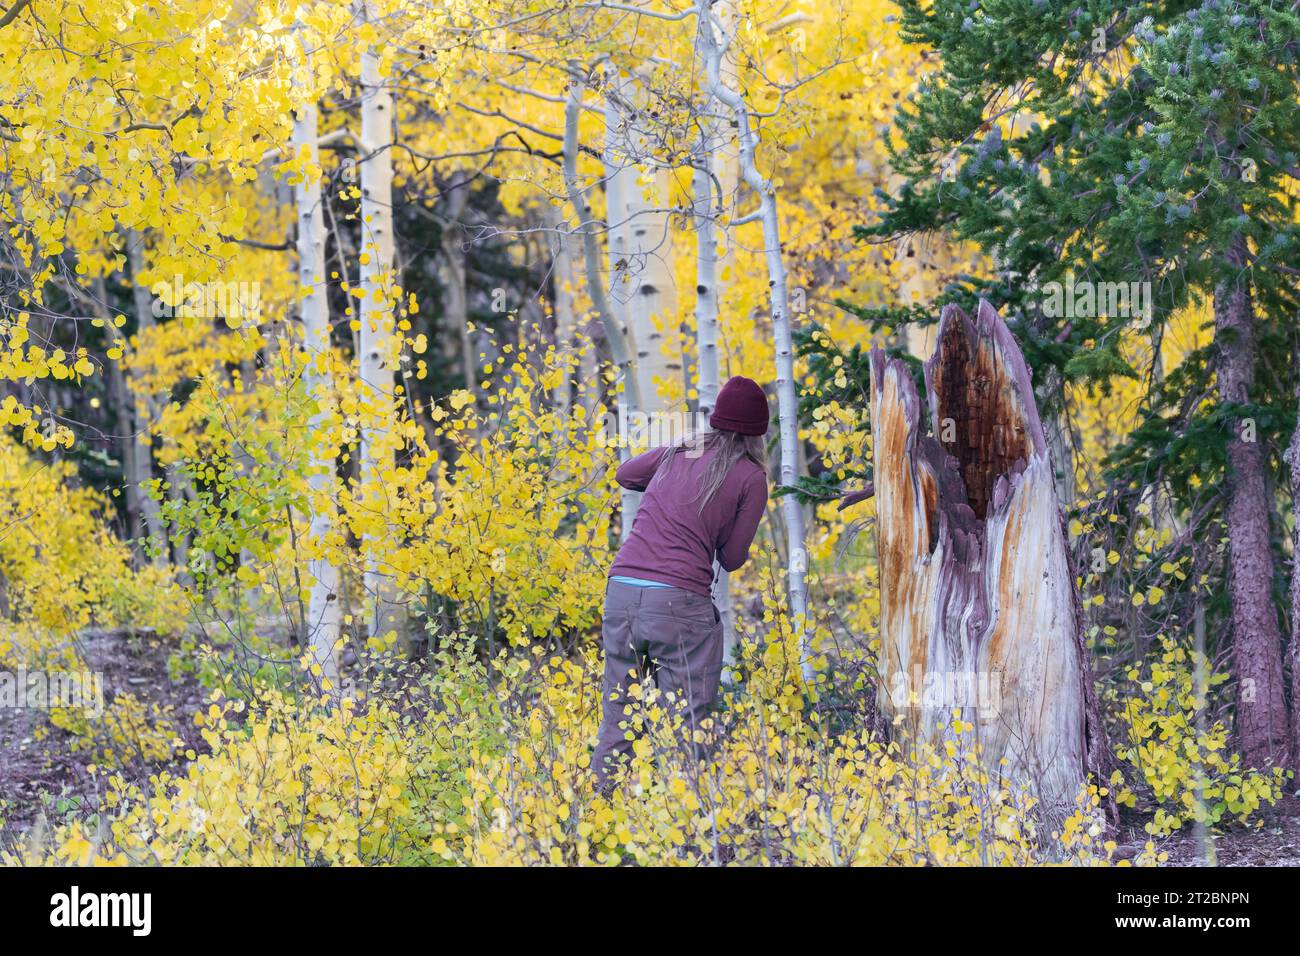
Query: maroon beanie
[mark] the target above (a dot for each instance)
(741, 407)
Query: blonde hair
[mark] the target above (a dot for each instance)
(728, 449)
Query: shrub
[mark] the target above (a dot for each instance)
(490, 764)
(1181, 764)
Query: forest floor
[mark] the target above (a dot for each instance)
(43, 775)
(1276, 843)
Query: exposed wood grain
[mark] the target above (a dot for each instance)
(976, 591)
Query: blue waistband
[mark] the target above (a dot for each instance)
(638, 582)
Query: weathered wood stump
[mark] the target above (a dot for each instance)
(978, 603)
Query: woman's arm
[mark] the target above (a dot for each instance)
(749, 511)
(635, 473)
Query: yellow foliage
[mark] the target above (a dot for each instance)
(515, 523)
(126, 731)
(62, 567)
(1182, 757)
(495, 770)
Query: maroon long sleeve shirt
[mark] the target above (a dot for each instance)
(672, 540)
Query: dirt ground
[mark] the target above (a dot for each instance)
(40, 773)
(1276, 843)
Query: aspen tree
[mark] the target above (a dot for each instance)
(563, 279)
(615, 334)
(321, 615)
(642, 288)
(712, 186)
(715, 39)
(376, 344)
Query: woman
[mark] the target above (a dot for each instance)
(703, 501)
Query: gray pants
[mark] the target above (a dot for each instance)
(670, 634)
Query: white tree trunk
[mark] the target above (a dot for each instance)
(615, 334)
(620, 183)
(714, 186)
(564, 276)
(978, 608)
(376, 344)
(709, 207)
(641, 285)
(619, 180)
(321, 614)
(715, 39)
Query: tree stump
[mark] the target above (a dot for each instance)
(979, 609)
